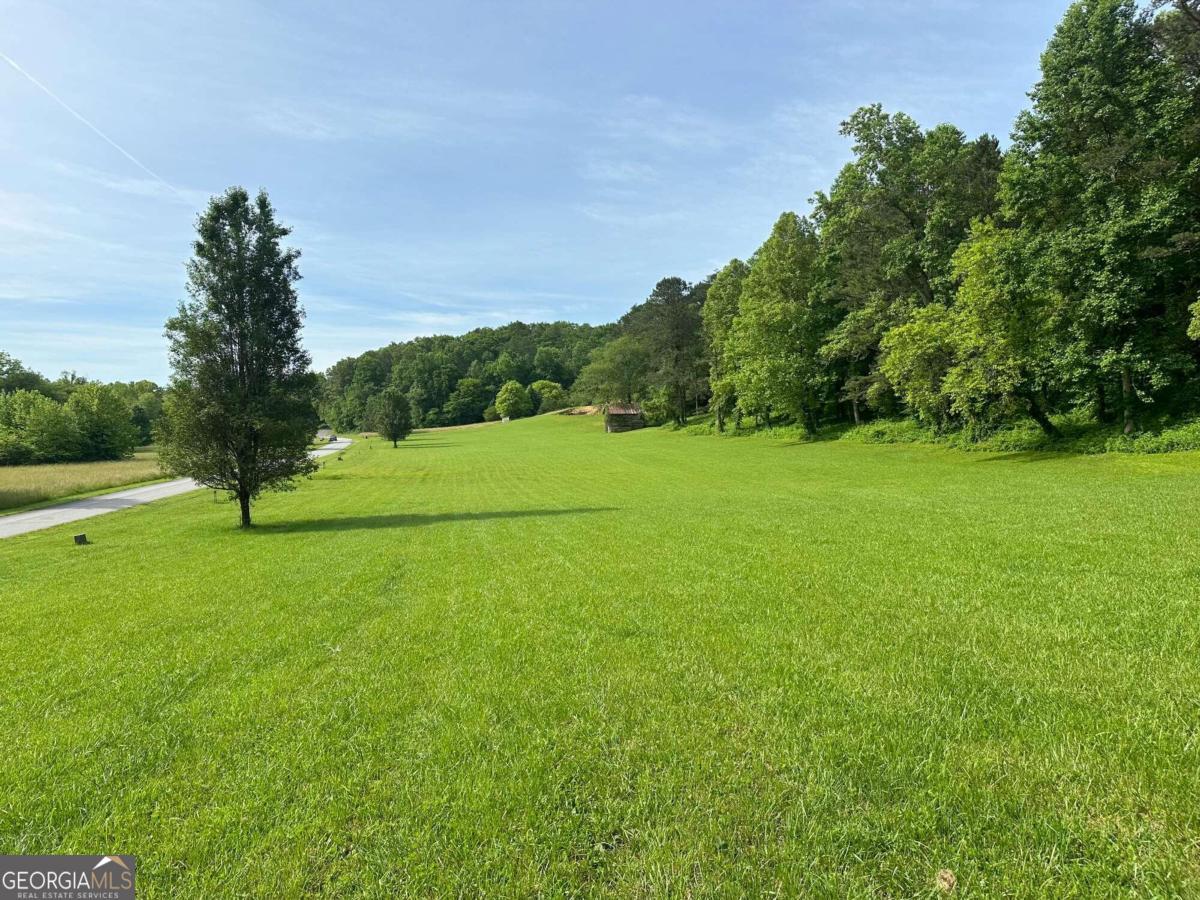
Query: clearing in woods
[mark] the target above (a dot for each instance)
(535, 658)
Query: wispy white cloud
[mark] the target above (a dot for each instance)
(86, 122)
(337, 122)
(649, 120)
(33, 225)
(98, 349)
(618, 171)
(56, 253)
(407, 110)
(447, 166)
(611, 214)
(14, 291)
(136, 187)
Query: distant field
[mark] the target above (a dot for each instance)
(25, 485)
(535, 659)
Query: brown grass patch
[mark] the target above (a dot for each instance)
(23, 485)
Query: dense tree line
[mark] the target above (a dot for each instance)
(71, 419)
(455, 380)
(941, 278)
(969, 287)
(938, 277)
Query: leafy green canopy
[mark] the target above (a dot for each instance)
(513, 401)
(450, 380)
(967, 289)
(548, 396)
(777, 331)
(95, 423)
(1103, 177)
(657, 357)
(617, 372)
(390, 413)
(720, 308)
(240, 413)
(889, 227)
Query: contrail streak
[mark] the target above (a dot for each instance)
(104, 137)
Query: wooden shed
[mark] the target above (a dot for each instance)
(623, 417)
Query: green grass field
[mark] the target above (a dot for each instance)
(534, 659)
(24, 486)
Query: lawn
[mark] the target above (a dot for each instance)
(535, 659)
(22, 486)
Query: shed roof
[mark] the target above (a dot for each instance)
(623, 409)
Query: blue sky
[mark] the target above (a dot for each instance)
(445, 165)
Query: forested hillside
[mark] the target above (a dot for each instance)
(939, 277)
(454, 380)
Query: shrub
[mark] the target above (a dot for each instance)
(1080, 434)
(548, 396)
(1169, 440)
(891, 431)
(513, 401)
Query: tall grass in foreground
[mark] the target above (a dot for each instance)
(24, 485)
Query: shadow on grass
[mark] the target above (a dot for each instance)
(414, 440)
(1029, 455)
(416, 520)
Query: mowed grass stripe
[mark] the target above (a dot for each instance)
(532, 657)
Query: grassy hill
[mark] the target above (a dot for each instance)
(533, 658)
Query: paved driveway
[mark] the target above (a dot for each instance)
(61, 514)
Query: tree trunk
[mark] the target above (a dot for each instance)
(395, 443)
(1039, 415)
(854, 409)
(1127, 399)
(720, 419)
(244, 503)
(810, 421)
(1101, 404)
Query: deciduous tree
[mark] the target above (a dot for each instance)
(617, 372)
(104, 422)
(889, 228)
(389, 413)
(720, 309)
(1103, 171)
(778, 328)
(512, 402)
(240, 413)
(548, 396)
(667, 327)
